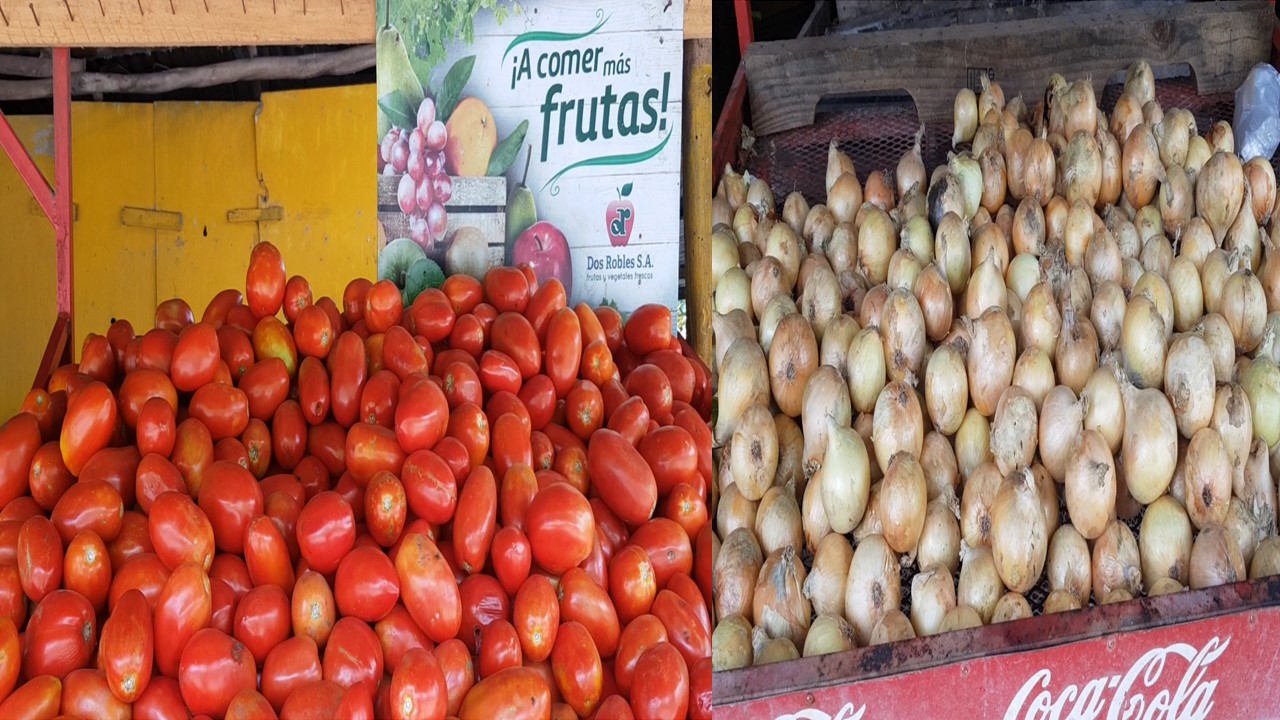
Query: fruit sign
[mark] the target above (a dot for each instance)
(544, 132)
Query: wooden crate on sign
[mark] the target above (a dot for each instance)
(478, 202)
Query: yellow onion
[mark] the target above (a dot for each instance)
(1039, 171)
(1060, 601)
(731, 644)
(1055, 220)
(911, 173)
(1244, 306)
(1090, 485)
(1266, 559)
(760, 197)
(941, 472)
(1017, 147)
(1034, 373)
(1014, 430)
(768, 280)
(1104, 407)
(1198, 153)
(1152, 113)
(1242, 526)
(847, 477)
(933, 595)
(1187, 297)
(1125, 116)
(903, 332)
(1041, 322)
(779, 606)
(1143, 170)
(877, 191)
(838, 164)
(966, 170)
(872, 305)
(946, 392)
(1029, 228)
(960, 617)
(903, 501)
(1261, 179)
(933, 295)
(975, 504)
(1189, 382)
(1075, 356)
(940, 538)
(734, 511)
(828, 634)
(744, 381)
(1150, 445)
(1243, 237)
(825, 402)
(1261, 382)
(893, 627)
(772, 650)
(1080, 169)
(1116, 564)
(872, 520)
(793, 357)
(1173, 133)
(1110, 158)
(964, 117)
(899, 424)
(733, 188)
(989, 240)
(819, 225)
(791, 468)
(1011, 606)
(865, 369)
(737, 568)
(1048, 498)
(825, 583)
(877, 240)
(1142, 342)
(813, 514)
(986, 288)
(1220, 192)
(1077, 107)
(834, 348)
(917, 237)
(1233, 419)
(873, 587)
(1221, 138)
(844, 197)
(1061, 421)
(1218, 266)
(1019, 541)
(1022, 275)
(980, 586)
(1068, 565)
(952, 251)
(1140, 82)
(945, 195)
(778, 523)
(753, 452)
(991, 359)
(774, 310)
(1256, 490)
(1269, 275)
(842, 249)
(994, 178)
(1176, 200)
(1103, 261)
(1164, 542)
(1215, 559)
(795, 210)
(1207, 479)
(972, 442)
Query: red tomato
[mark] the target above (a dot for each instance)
(119, 335)
(87, 568)
(462, 385)
(39, 697)
(230, 499)
(98, 359)
(499, 372)
(632, 585)
(326, 443)
(39, 556)
(264, 286)
(622, 478)
(215, 313)
(685, 506)
(597, 361)
(195, 357)
(267, 554)
(469, 425)
(60, 636)
(353, 300)
(173, 315)
(428, 588)
(678, 370)
(544, 454)
(688, 590)
(353, 654)
(648, 329)
(21, 509)
(560, 527)
(499, 647)
(290, 665)
(684, 628)
(669, 548)
(463, 293)
(514, 336)
(660, 687)
(500, 694)
(378, 399)
(297, 296)
(155, 425)
(564, 349)
(507, 289)
(455, 455)
(383, 306)
(249, 705)
(639, 635)
(214, 668)
(48, 410)
(313, 332)
(236, 347)
(547, 300)
(539, 398)
(161, 700)
(10, 656)
(476, 520)
(180, 531)
(257, 445)
(584, 409)
(326, 531)
(85, 693)
(701, 432)
(401, 354)
(536, 615)
(185, 605)
(156, 475)
(371, 448)
(192, 452)
(631, 420)
(571, 462)
(315, 700)
(262, 620)
(468, 335)
(385, 507)
(313, 608)
(672, 455)
(115, 466)
(575, 662)
(265, 386)
(459, 671)
(313, 390)
(511, 443)
(421, 417)
(398, 633)
(143, 572)
(433, 316)
(611, 324)
(702, 571)
(418, 687)
(288, 435)
(348, 370)
(88, 427)
(582, 600)
(271, 339)
(13, 601)
(47, 477)
(127, 648)
(512, 558)
(519, 486)
(366, 585)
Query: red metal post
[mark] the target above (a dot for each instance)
(26, 167)
(742, 9)
(62, 211)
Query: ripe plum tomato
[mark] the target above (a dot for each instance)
(563, 349)
(496, 695)
(513, 335)
(433, 316)
(313, 332)
(535, 613)
(519, 486)
(236, 348)
(631, 420)
(48, 410)
(560, 527)
(326, 531)
(184, 606)
(650, 383)
(88, 427)
(640, 634)
(469, 425)
(672, 455)
(39, 557)
(510, 443)
(230, 499)
(257, 446)
(632, 585)
(398, 634)
(313, 390)
(290, 665)
(313, 608)
(48, 477)
(264, 284)
(215, 313)
(546, 301)
(428, 588)
(597, 365)
(249, 705)
(353, 654)
(385, 507)
(128, 646)
(173, 315)
(463, 293)
(366, 585)
(348, 371)
(468, 335)
(421, 417)
(660, 686)
(288, 435)
(685, 506)
(401, 354)
(262, 620)
(584, 409)
(571, 463)
(670, 550)
(499, 647)
(611, 324)
(499, 372)
(458, 668)
(621, 477)
(195, 357)
(512, 558)
(180, 530)
(85, 693)
(648, 329)
(371, 448)
(223, 409)
(87, 568)
(267, 553)
(538, 395)
(297, 296)
(60, 635)
(506, 289)
(418, 688)
(462, 385)
(156, 427)
(272, 339)
(316, 699)
(684, 628)
(581, 599)
(383, 306)
(575, 663)
(353, 300)
(265, 386)
(214, 668)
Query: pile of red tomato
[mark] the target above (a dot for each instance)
(485, 505)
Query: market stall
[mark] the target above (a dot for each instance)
(254, 476)
(876, 219)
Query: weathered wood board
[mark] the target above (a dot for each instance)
(477, 202)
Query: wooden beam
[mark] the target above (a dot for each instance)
(1221, 41)
(33, 66)
(697, 196)
(340, 62)
(193, 23)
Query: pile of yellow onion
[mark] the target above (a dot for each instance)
(1078, 312)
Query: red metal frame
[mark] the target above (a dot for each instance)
(746, 33)
(56, 203)
(729, 126)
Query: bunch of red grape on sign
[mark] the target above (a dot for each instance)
(418, 157)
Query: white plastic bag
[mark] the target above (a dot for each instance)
(1257, 114)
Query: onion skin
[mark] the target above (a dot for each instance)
(825, 583)
(793, 357)
(1116, 565)
(753, 453)
(1019, 541)
(903, 333)
(874, 587)
(1090, 482)
(1164, 542)
(991, 359)
(737, 568)
(1014, 430)
(933, 595)
(845, 493)
(1189, 383)
(1150, 445)
(744, 381)
(933, 294)
(1143, 170)
(1215, 559)
(1220, 192)
(1068, 565)
(946, 389)
(899, 424)
(779, 605)
(1208, 479)
(904, 499)
(778, 522)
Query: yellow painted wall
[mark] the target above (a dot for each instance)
(306, 151)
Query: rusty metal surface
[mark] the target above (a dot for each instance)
(1036, 633)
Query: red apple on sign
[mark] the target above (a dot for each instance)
(620, 217)
(545, 249)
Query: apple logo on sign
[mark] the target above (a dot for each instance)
(620, 217)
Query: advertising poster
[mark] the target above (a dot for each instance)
(544, 132)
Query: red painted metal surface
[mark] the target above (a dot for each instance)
(56, 352)
(62, 210)
(728, 130)
(26, 167)
(746, 33)
(1178, 655)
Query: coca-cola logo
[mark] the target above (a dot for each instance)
(848, 712)
(1128, 696)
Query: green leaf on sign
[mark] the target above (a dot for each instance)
(505, 153)
(398, 110)
(626, 190)
(451, 89)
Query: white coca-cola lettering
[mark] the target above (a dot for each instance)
(1191, 699)
(848, 712)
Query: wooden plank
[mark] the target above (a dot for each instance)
(188, 23)
(488, 192)
(1221, 41)
(150, 219)
(819, 20)
(869, 15)
(697, 198)
(492, 225)
(271, 213)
